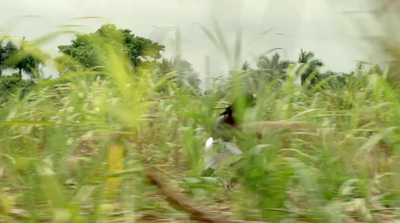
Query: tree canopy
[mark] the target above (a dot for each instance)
(184, 75)
(82, 52)
(23, 58)
(312, 63)
(6, 50)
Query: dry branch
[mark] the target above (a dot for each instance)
(279, 125)
(184, 203)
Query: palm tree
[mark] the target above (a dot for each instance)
(270, 69)
(22, 59)
(273, 65)
(165, 66)
(313, 64)
(27, 61)
(185, 75)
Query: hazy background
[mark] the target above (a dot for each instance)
(329, 28)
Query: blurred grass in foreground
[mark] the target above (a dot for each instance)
(77, 148)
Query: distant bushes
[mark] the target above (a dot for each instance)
(11, 84)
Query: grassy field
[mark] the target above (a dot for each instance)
(80, 148)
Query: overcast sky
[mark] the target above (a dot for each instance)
(323, 26)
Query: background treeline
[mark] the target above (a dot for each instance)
(143, 53)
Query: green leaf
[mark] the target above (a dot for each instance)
(26, 123)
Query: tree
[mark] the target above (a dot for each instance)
(82, 52)
(23, 59)
(269, 69)
(6, 50)
(184, 75)
(273, 67)
(2, 58)
(264, 62)
(313, 64)
(10, 84)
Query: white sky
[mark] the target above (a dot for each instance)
(320, 26)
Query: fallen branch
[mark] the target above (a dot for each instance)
(279, 125)
(184, 203)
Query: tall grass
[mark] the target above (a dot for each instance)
(76, 149)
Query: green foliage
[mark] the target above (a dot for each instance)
(179, 72)
(312, 63)
(78, 148)
(274, 70)
(274, 63)
(11, 84)
(82, 53)
(269, 69)
(24, 58)
(6, 50)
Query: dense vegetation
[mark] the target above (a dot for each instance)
(79, 148)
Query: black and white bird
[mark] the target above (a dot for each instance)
(225, 127)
